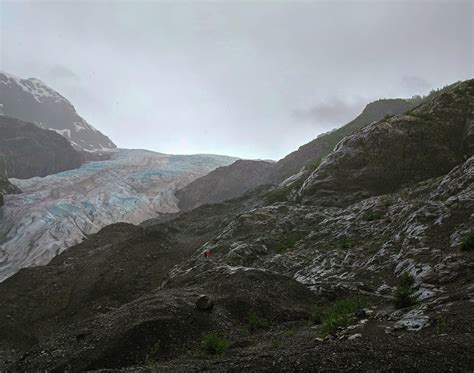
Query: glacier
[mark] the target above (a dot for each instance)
(58, 211)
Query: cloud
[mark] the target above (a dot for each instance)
(332, 111)
(228, 76)
(62, 72)
(416, 84)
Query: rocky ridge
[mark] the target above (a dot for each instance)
(425, 142)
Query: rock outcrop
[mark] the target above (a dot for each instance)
(6, 187)
(314, 151)
(31, 100)
(224, 183)
(27, 151)
(425, 142)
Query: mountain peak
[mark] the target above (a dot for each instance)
(32, 100)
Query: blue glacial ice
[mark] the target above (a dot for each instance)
(57, 211)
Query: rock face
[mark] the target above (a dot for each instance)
(295, 286)
(224, 183)
(27, 151)
(60, 210)
(317, 149)
(425, 142)
(6, 188)
(31, 100)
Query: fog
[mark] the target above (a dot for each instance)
(249, 79)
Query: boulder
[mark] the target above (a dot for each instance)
(204, 303)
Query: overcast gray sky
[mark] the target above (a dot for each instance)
(254, 79)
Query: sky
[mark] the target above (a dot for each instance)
(253, 79)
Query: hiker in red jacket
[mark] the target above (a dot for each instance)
(207, 253)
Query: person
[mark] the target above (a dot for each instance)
(207, 253)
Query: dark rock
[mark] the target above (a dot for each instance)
(224, 183)
(27, 151)
(5, 186)
(204, 303)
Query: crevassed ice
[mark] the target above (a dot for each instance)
(58, 211)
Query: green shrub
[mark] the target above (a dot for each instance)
(468, 242)
(340, 315)
(345, 243)
(213, 345)
(373, 215)
(255, 322)
(404, 292)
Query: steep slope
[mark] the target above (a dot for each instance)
(293, 286)
(425, 142)
(315, 150)
(31, 100)
(27, 151)
(224, 183)
(234, 180)
(59, 210)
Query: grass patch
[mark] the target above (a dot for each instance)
(373, 215)
(345, 243)
(213, 345)
(288, 241)
(441, 325)
(425, 116)
(340, 315)
(468, 242)
(150, 360)
(275, 344)
(255, 322)
(291, 332)
(404, 292)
